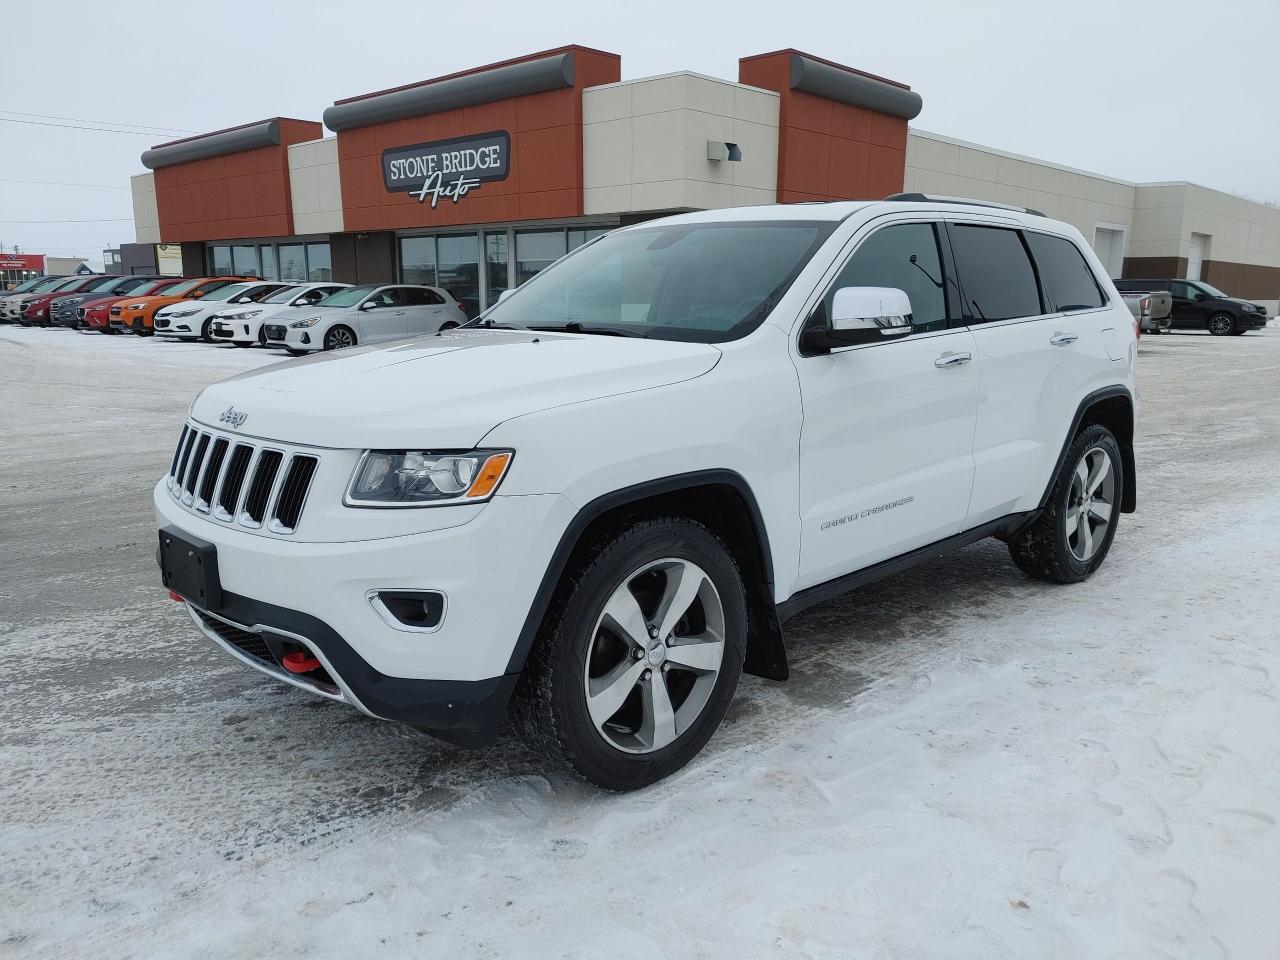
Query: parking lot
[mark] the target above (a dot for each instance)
(964, 763)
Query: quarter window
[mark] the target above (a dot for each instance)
(904, 256)
(995, 271)
(1068, 282)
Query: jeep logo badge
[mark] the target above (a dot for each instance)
(233, 417)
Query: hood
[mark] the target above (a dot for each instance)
(155, 300)
(445, 391)
(1243, 302)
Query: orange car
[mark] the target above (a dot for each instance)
(138, 315)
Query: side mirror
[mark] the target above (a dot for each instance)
(869, 314)
(506, 293)
(1200, 298)
(369, 305)
(195, 294)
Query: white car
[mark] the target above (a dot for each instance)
(598, 503)
(369, 313)
(242, 325)
(193, 319)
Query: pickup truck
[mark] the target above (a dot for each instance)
(1153, 309)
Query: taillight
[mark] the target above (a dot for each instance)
(462, 308)
(1145, 304)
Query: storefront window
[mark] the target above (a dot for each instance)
(293, 264)
(269, 263)
(244, 261)
(459, 270)
(495, 254)
(319, 263)
(418, 260)
(536, 250)
(220, 261)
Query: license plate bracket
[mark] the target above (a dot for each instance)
(189, 567)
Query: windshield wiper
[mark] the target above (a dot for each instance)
(573, 326)
(487, 325)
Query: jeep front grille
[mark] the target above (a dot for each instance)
(240, 482)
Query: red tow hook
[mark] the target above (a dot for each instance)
(299, 661)
(176, 596)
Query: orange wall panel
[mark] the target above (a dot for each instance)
(243, 194)
(545, 167)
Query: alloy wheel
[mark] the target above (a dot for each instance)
(1090, 502)
(1220, 324)
(654, 656)
(339, 338)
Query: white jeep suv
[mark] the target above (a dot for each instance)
(595, 506)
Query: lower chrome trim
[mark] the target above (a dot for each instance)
(344, 694)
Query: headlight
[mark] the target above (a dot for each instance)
(1249, 307)
(408, 478)
(309, 322)
(135, 306)
(245, 316)
(175, 314)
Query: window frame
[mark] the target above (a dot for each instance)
(952, 293)
(1088, 268)
(1017, 228)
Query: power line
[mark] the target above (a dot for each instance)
(114, 123)
(74, 126)
(95, 220)
(60, 183)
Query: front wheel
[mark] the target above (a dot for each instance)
(1222, 324)
(640, 654)
(339, 338)
(1071, 537)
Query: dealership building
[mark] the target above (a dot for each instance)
(478, 180)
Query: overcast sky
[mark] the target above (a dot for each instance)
(1129, 88)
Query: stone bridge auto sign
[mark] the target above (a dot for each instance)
(446, 169)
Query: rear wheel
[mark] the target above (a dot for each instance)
(339, 338)
(640, 654)
(1222, 324)
(1072, 536)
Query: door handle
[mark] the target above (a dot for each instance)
(1062, 339)
(952, 360)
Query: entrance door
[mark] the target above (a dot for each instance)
(1196, 252)
(886, 449)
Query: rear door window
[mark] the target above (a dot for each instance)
(996, 273)
(1068, 282)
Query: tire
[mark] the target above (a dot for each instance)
(635, 566)
(1056, 547)
(449, 326)
(1221, 324)
(206, 331)
(262, 336)
(334, 338)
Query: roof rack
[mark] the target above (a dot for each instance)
(926, 198)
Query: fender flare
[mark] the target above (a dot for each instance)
(1129, 494)
(766, 655)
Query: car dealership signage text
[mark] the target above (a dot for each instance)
(446, 169)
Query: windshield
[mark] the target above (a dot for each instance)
(1211, 291)
(67, 284)
(282, 296)
(701, 282)
(183, 287)
(350, 296)
(227, 292)
(154, 288)
(106, 284)
(39, 283)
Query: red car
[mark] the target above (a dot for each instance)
(97, 315)
(35, 310)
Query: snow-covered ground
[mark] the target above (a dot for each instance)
(964, 764)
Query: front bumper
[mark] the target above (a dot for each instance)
(489, 566)
(1253, 321)
(467, 713)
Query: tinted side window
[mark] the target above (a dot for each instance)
(904, 256)
(420, 298)
(1068, 282)
(998, 281)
